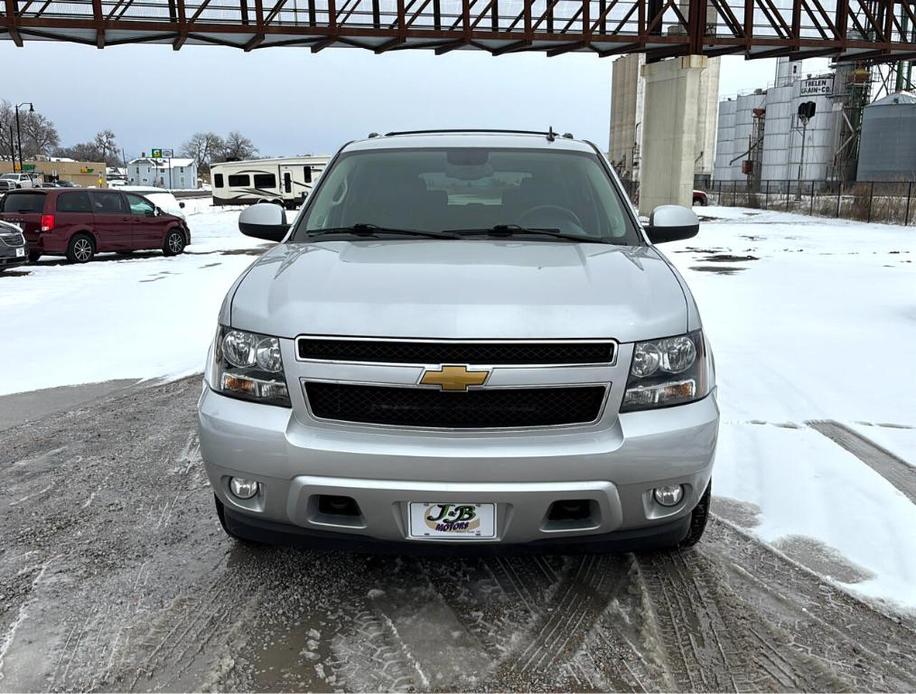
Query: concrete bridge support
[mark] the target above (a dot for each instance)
(670, 130)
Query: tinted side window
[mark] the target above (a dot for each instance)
(140, 206)
(23, 202)
(239, 180)
(265, 181)
(108, 203)
(74, 202)
(307, 174)
(218, 180)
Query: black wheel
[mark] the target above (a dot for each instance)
(174, 243)
(221, 513)
(34, 256)
(698, 519)
(81, 248)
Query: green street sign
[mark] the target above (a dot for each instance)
(28, 167)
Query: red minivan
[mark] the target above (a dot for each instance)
(81, 223)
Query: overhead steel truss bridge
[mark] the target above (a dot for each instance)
(849, 30)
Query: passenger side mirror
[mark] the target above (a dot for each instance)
(264, 221)
(672, 223)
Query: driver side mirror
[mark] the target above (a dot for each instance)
(264, 220)
(672, 223)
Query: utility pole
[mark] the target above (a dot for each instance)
(12, 148)
(19, 133)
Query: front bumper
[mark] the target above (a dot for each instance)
(8, 257)
(614, 467)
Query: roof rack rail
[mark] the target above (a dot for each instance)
(550, 134)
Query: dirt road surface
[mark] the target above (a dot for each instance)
(115, 575)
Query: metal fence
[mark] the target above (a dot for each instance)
(868, 201)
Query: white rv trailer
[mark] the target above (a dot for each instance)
(286, 180)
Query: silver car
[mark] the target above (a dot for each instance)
(13, 248)
(464, 339)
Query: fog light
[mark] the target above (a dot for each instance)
(242, 488)
(669, 496)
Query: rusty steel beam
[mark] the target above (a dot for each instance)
(877, 29)
(12, 24)
(99, 26)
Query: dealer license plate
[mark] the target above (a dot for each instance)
(20, 252)
(451, 520)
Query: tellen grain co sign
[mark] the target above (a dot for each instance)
(817, 86)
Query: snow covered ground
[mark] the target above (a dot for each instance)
(141, 316)
(813, 319)
(810, 319)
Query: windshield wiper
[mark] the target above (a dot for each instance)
(374, 230)
(513, 229)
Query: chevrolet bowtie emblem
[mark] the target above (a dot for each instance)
(453, 378)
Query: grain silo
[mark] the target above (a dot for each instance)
(780, 117)
(725, 139)
(627, 98)
(887, 150)
(819, 138)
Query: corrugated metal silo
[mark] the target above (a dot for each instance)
(819, 138)
(725, 139)
(777, 137)
(887, 151)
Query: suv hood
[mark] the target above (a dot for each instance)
(473, 289)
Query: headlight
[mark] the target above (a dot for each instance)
(249, 366)
(669, 371)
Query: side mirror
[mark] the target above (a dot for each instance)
(672, 223)
(264, 221)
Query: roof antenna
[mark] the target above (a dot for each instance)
(551, 135)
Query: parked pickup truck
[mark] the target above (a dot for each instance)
(464, 339)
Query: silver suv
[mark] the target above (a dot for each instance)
(464, 338)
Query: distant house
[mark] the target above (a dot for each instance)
(175, 173)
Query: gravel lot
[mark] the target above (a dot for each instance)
(115, 575)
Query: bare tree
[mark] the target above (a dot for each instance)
(103, 147)
(38, 134)
(107, 146)
(204, 148)
(237, 147)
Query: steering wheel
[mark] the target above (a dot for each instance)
(544, 216)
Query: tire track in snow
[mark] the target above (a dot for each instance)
(889, 466)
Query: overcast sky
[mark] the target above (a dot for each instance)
(290, 101)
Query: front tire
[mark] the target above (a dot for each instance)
(174, 243)
(81, 249)
(698, 519)
(34, 256)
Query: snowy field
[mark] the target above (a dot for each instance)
(810, 320)
(142, 316)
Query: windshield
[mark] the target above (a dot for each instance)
(470, 189)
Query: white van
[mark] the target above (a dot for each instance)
(287, 181)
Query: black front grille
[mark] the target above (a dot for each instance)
(406, 352)
(475, 409)
(13, 240)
